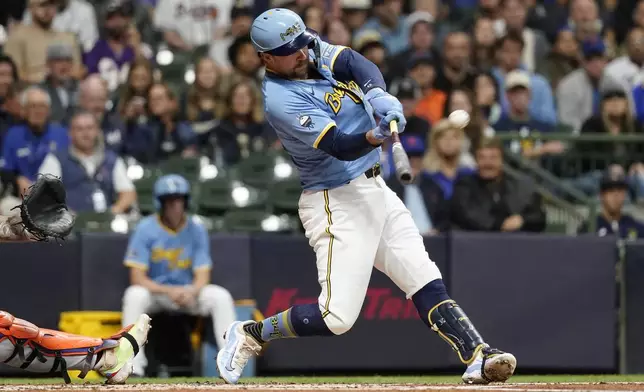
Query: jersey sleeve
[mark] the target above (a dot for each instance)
(297, 116)
(202, 259)
(329, 54)
(138, 251)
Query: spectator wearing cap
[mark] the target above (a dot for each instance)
(628, 69)
(490, 200)
(422, 69)
(241, 18)
(112, 56)
(59, 83)
(514, 13)
(187, 24)
(517, 117)
(369, 44)
(564, 58)
(455, 70)
(355, 13)
(518, 90)
(421, 41)
(578, 94)
(542, 106)
(612, 221)
(423, 197)
(27, 44)
(26, 145)
(390, 23)
(73, 16)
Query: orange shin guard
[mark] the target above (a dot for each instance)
(65, 350)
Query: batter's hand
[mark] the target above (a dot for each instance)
(382, 102)
(383, 130)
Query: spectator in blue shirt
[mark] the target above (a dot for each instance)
(542, 107)
(612, 220)
(26, 145)
(391, 25)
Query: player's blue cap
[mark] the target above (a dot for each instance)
(170, 185)
(280, 32)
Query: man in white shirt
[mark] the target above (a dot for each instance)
(628, 69)
(75, 16)
(187, 24)
(95, 179)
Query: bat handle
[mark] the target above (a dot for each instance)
(393, 126)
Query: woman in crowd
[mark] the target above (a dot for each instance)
(314, 18)
(200, 103)
(161, 135)
(486, 92)
(242, 130)
(564, 57)
(132, 100)
(446, 161)
(460, 99)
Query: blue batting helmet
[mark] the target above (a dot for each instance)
(280, 32)
(170, 185)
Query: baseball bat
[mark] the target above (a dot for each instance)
(401, 161)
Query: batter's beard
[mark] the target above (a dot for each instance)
(300, 72)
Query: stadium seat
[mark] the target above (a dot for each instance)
(215, 197)
(245, 220)
(284, 196)
(145, 194)
(94, 221)
(186, 167)
(257, 170)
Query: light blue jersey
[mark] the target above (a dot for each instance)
(169, 257)
(302, 111)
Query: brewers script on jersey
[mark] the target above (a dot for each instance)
(352, 220)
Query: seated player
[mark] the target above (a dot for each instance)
(169, 260)
(24, 345)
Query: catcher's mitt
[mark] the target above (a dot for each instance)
(43, 210)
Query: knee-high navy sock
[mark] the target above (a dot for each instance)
(429, 296)
(298, 321)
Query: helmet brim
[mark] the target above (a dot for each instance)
(303, 40)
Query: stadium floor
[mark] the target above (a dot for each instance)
(560, 383)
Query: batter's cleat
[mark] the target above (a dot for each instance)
(240, 347)
(117, 366)
(490, 365)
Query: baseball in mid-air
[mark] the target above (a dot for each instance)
(459, 118)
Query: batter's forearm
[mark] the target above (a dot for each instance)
(352, 66)
(347, 147)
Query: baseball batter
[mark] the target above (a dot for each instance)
(330, 109)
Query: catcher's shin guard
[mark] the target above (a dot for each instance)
(452, 325)
(24, 345)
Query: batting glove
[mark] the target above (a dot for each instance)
(382, 102)
(383, 130)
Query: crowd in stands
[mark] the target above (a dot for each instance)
(89, 86)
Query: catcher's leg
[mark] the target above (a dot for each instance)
(24, 345)
(402, 256)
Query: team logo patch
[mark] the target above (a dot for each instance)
(291, 31)
(306, 121)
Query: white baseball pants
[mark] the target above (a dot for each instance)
(213, 300)
(352, 229)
